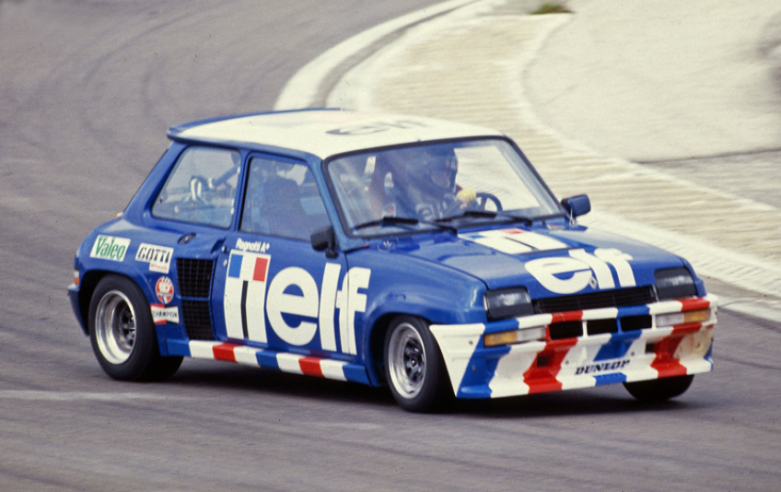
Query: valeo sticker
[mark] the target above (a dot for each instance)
(110, 248)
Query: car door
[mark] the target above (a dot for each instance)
(272, 289)
(191, 217)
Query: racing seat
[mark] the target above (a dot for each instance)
(286, 216)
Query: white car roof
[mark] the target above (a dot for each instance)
(324, 133)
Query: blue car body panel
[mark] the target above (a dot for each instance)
(276, 302)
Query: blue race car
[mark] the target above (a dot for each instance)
(381, 249)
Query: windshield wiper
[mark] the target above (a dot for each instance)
(438, 225)
(520, 218)
(389, 220)
(469, 213)
(490, 214)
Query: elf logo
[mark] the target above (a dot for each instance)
(567, 275)
(376, 127)
(296, 308)
(110, 248)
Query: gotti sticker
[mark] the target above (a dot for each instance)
(158, 257)
(162, 315)
(110, 248)
(164, 290)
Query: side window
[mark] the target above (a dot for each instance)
(282, 200)
(202, 188)
(362, 190)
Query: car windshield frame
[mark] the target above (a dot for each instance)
(520, 164)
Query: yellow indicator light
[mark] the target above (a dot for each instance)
(503, 338)
(674, 319)
(513, 336)
(76, 277)
(696, 316)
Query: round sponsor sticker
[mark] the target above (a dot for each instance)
(164, 290)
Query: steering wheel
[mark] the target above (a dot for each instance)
(483, 198)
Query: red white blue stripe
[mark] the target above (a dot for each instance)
(269, 359)
(247, 274)
(581, 362)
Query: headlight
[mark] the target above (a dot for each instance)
(514, 336)
(508, 303)
(685, 318)
(674, 283)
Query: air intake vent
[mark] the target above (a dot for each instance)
(195, 277)
(600, 326)
(612, 298)
(197, 320)
(631, 323)
(566, 329)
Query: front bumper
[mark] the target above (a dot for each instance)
(73, 295)
(585, 361)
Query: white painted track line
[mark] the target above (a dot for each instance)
(423, 72)
(302, 89)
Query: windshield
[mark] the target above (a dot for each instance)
(425, 186)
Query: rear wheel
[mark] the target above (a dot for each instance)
(414, 367)
(123, 335)
(657, 390)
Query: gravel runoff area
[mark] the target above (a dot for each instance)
(499, 78)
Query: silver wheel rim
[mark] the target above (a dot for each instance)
(115, 327)
(407, 361)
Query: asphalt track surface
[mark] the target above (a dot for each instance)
(87, 90)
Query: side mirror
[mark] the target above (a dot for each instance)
(325, 240)
(577, 205)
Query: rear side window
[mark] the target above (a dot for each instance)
(282, 200)
(202, 188)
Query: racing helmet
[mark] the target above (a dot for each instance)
(434, 168)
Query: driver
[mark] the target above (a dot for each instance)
(431, 184)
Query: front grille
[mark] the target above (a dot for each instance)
(600, 326)
(611, 298)
(195, 280)
(631, 323)
(195, 277)
(197, 320)
(566, 329)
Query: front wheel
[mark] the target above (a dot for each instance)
(123, 334)
(414, 367)
(657, 390)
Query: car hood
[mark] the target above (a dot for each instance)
(547, 262)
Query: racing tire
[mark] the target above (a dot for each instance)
(123, 335)
(658, 390)
(414, 366)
